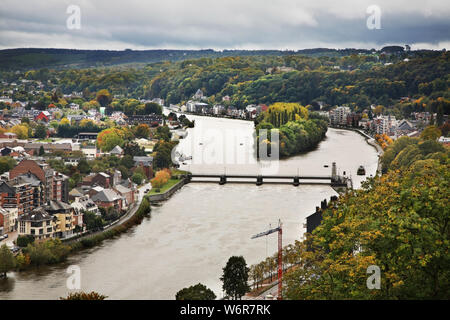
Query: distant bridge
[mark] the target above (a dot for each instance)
(333, 180)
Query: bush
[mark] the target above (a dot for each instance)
(48, 252)
(23, 241)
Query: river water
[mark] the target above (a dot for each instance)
(190, 237)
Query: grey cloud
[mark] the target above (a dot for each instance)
(259, 24)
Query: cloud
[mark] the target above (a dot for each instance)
(249, 24)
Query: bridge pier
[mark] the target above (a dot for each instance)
(296, 181)
(223, 180)
(259, 180)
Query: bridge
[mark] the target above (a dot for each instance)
(334, 180)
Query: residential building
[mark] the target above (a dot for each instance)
(151, 120)
(198, 95)
(84, 203)
(44, 116)
(60, 187)
(8, 219)
(126, 193)
(98, 179)
(108, 198)
(63, 213)
(339, 115)
(41, 170)
(116, 151)
(34, 147)
(87, 136)
(37, 186)
(90, 152)
(37, 223)
(219, 109)
(146, 163)
(18, 195)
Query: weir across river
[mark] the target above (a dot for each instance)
(334, 180)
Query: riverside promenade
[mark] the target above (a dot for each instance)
(131, 211)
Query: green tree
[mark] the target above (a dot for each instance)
(163, 133)
(92, 221)
(7, 261)
(197, 292)
(152, 107)
(430, 133)
(6, 164)
(104, 97)
(137, 178)
(40, 132)
(163, 157)
(23, 241)
(142, 131)
(83, 166)
(440, 115)
(127, 161)
(41, 151)
(235, 277)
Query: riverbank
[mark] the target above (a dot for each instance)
(166, 193)
(60, 249)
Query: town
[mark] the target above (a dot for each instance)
(118, 154)
(48, 189)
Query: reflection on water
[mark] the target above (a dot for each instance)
(190, 237)
(7, 285)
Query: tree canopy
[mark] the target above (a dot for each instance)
(197, 292)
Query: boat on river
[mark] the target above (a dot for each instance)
(361, 171)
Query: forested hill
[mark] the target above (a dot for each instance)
(32, 58)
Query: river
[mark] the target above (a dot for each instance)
(189, 238)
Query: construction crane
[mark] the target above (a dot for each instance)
(280, 253)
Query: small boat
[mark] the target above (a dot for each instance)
(361, 171)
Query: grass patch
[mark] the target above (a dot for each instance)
(165, 187)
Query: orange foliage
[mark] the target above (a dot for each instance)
(161, 178)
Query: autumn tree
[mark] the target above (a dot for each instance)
(142, 131)
(21, 130)
(161, 178)
(398, 222)
(109, 138)
(84, 296)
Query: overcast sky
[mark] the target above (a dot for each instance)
(224, 24)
